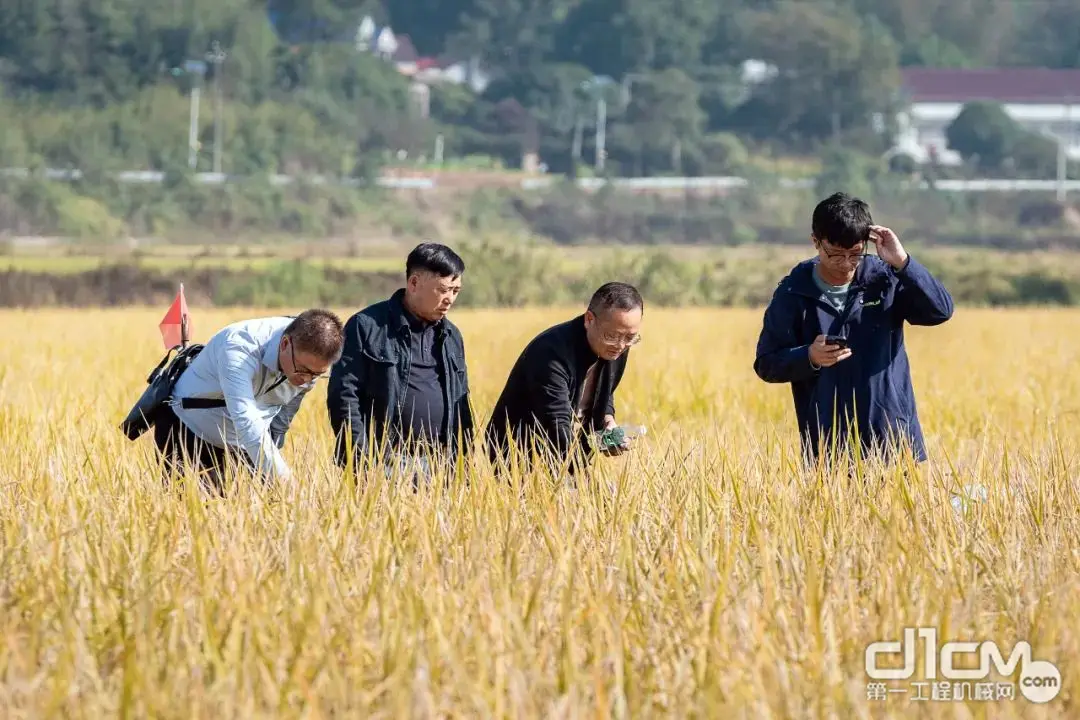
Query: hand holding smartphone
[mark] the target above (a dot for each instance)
(827, 350)
(836, 340)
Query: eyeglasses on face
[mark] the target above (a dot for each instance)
(843, 256)
(300, 369)
(620, 339)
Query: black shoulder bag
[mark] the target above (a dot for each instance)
(159, 389)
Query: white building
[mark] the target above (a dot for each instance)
(386, 43)
(455, 70)
(399, 50)
(1039, 99)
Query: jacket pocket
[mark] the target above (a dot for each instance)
(457, 375)
(381, 372)
(379, 356)
(868, 318)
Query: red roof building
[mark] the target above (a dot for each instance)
(1042, 100)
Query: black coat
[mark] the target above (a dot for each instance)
(540, 398)
(368, 384)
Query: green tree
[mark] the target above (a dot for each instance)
(846, 170)
(663, 121)
(429, 23)
(1050, 37)
(515, 36)
(833, 71)
(310, 21)
(945, 33)
(1035, 155)
(983, 134)
(615, 37)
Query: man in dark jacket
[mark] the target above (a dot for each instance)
(863, 300)
(562, 386)
(402, 377)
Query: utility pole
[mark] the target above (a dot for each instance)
(575, 146)
(601, 133)
(217, 56)
(596, 87)
(1062, 165)
(193, 126)
(1067, 138)
(198, 69)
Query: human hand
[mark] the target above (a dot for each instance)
(614, 450)
(822, 355)
(888, 244)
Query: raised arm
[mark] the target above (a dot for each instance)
(921, 299)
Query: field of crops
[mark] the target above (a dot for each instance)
(704, 575)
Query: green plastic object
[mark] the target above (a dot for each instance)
(619, 434)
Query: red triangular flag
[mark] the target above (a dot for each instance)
(176, 325)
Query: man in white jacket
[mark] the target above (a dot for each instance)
(239, 395)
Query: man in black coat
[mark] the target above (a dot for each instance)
(561, 389)
(402, 375)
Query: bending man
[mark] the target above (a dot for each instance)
(238, 397)
(562, 387)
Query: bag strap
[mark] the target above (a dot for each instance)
(277, 382)
(154, 373)
(194, 403)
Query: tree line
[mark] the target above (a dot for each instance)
(985, 278)
(102, 83)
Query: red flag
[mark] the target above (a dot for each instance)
(176, 325)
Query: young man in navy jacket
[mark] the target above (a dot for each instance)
(862, 381)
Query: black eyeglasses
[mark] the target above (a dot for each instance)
(857, 257)
(299, 369)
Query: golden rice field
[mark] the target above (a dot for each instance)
(705, 575)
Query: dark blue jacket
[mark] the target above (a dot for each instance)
(368, 384)
(874, 384)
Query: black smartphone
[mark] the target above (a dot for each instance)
(836, 340)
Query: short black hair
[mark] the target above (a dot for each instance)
(842, 220)
(615, 296)
(318, 332)
(435, 258)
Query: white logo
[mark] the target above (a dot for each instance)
(1040, 681)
